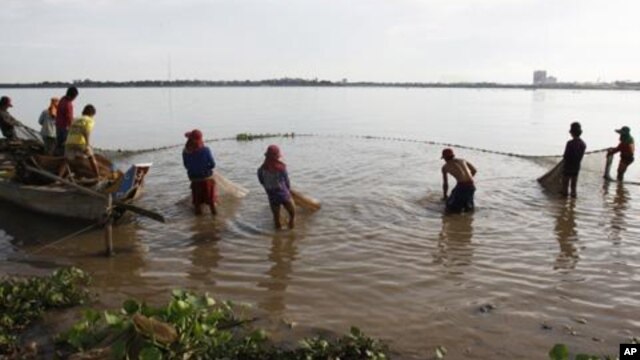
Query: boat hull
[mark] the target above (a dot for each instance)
(57, 200)
(53, 200)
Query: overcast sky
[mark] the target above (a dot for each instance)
(377, 40)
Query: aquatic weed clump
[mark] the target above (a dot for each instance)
(250, 137)
(23, 300)
(193, 326)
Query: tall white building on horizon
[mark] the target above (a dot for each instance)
(539, 77)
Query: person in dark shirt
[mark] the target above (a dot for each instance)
(199, 162)
(7, 122)
(274, 178)
(626, 147)
(573, 154)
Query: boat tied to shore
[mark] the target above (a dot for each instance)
(30, 180)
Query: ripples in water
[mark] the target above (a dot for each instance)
(380, 254)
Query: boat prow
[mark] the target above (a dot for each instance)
(132, 182)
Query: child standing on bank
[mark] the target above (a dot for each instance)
(199, 162)
(275, 180)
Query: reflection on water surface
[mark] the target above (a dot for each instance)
(380, 254)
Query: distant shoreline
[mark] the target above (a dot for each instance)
(618, 85)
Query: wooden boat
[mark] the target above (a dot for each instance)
(56, 199)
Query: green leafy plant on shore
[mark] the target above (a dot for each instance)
(24, 300)
(561, 352)
(249, 136)
(198, 327)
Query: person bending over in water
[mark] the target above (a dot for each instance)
(275, 180)
(573, 154)
(199, 162)
(461, 198)
(626, 149)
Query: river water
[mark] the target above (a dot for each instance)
(526, 270)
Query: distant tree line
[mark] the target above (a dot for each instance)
(87, 83)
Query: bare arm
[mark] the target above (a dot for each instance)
(614, 150)
(445, 183)
(42, 118)
(472, 168)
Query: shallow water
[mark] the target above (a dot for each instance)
(379, 254)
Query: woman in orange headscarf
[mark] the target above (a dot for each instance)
(48, 122)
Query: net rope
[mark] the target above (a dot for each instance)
(593, 161)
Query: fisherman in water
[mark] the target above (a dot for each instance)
(626, 147)
(573, 154)
(461, 198)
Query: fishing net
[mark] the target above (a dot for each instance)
(592, 168)
(593, 165)
(24, 132)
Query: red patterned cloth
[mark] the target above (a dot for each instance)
(273, 159)
(194, 141)
(203, 192)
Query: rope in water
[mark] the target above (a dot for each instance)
(65, 238)
(437, 143)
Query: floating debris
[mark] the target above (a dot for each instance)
(580, 320)
(486, 308)
(441, 351)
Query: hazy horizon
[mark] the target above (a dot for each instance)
(378, 40)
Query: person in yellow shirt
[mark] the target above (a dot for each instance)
(77, 144)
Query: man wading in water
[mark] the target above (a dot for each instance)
(461, 198)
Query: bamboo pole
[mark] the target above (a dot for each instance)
(108, 227)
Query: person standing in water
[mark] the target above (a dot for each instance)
(274, 178)
(461, 198)
(626, 147)
(47, 122)
(573, 154)
(199, 162)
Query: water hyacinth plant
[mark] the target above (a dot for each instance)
(193, 326)
(561, 352)
(24, 300)
(250, 137)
